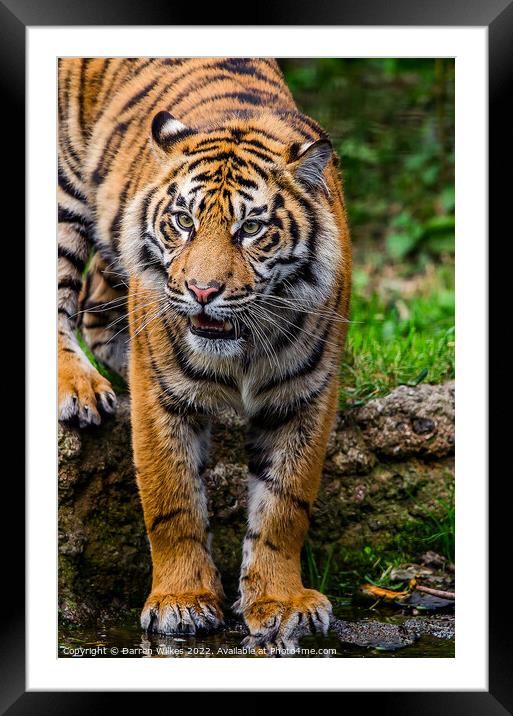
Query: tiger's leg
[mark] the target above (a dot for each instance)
(82, 391)
(104, 321)
(286, 451)
(170, 444)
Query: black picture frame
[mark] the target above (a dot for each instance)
(497, 15)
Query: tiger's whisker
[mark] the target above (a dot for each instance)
(307, 333)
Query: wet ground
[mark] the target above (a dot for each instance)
(356, 632)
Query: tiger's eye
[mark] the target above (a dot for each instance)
(251, 227)
(184, 221)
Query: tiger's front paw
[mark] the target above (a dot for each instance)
(181, 613)
(275, 624)
(83, 392)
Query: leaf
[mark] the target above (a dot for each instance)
(439, 224)
(430, 175)
(421, 376)
(358, 150)
(360, 279)
(447, 198)
(370, 591)
(400, 245)
(402, 219)
(440, 243)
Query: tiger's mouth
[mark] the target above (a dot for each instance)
(208, 327)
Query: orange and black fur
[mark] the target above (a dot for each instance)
(215, 212)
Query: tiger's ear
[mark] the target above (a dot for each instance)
(167, 131)
(308, 162)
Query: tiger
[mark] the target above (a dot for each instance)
(207, 213)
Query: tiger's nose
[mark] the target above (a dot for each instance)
(204, 293)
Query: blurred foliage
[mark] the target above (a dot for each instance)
(392, 124)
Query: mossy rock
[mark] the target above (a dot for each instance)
(389, 466)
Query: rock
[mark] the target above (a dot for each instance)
(433, 559)
(382, 635)
(389, 637)
(410, 421)
(409, 571)
(103, 548)
(388, 463)
(441, 627)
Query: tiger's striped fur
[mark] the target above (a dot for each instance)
(215, 209)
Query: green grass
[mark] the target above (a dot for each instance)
(337, 571)
(394, 340)
(436, 530)
(317, 575)
(117, 382)
(443, 535)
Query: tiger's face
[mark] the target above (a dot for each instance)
(238, 219)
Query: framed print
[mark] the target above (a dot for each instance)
(265, 448)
